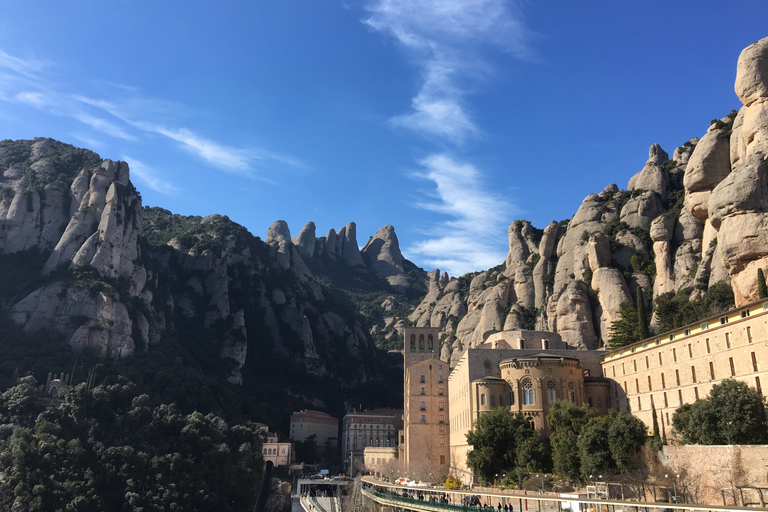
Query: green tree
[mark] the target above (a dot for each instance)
(733, 413)
(566, 420)
(626, 436)
(19, 400)
(656, 442)
(624, 330)
(642, 315)
(762, 289)
(535, 454)
(495, 441)
(594, 450)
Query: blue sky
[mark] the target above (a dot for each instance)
(448, 119)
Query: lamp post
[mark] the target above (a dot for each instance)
(675, 497)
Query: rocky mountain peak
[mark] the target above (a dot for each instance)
(383, 255)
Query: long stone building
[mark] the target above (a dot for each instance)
(681, 366)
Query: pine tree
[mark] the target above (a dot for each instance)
(642, 315)
(762, 289)
(656, 439)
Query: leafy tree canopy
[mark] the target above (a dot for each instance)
(733, 413)
(495, 441)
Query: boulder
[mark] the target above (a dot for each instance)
(752, 73)
(653, 176)
(305, 240)
(383, 255)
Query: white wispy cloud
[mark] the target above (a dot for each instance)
(124, 114)
(444, 38)
(228, 158)
(28, 68)
(475, 230)
(149, 176)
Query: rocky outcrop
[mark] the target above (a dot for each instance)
(382, 252)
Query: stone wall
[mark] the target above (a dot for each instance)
(720, 475)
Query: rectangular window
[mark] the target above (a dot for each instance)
(687, 332)
(723, 320)
(639, 405)
(528, 397)
(677, 376)
(637, 386)
(423, 417)
(745, 313)
(613, 369)
(727, 340)
(712, 370)
(671, 337)
(680, 396)
(749, 334)
(663, 384)
(690, 351)
(754, 362)
(423, 405)
(439, 378)
(733, 369)
(649, 384)
(666, 404)
(439, 367)
(674, 354)
(667, 415)
(442, 440)
(442, 459)
(757, 385)
(423, 391)
(441, 406)
(634, 364)
(442, 418)
(696, 392)
(647, 364)
(423, 379)
(693, 374)
(704, 326)
(439, 391)
(709, 350)
(623, 370)
(661, 361)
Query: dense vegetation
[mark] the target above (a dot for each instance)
(582, 443)
(672, 310)
(111, 447)
(733, 413)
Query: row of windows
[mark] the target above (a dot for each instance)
(723, 320)
(708, 346)
(666, 401)
(430, 342)
(272, 451)
(529, 397)
(423, 378)
(424, 418)
(712, 374)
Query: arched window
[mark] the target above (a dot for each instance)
(429, 342)
(531, 424)
(482, 399)
(551, 392)
(572, 391)
(511, 396)
(421, 342)
(413, 342)
(493, 399)
(528, 398)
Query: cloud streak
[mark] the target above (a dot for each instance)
(148, 176)
(471, 238)
(443, 37)
(124, 117)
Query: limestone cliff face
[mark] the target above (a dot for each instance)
(86, 216)
(117, 278)
(691, 221)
